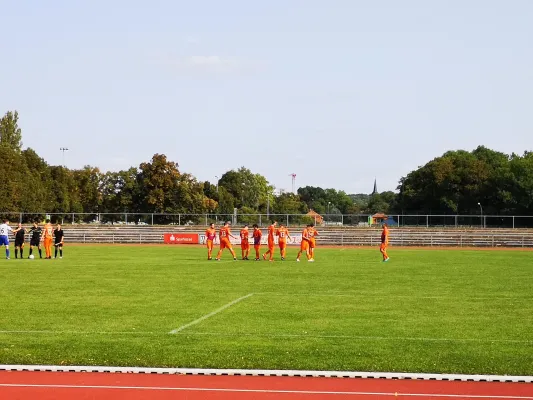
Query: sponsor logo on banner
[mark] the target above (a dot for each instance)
(180, 238)
(296, 239)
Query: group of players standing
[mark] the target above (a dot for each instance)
(307, 245)
(46, 234)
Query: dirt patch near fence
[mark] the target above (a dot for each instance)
(332, 247)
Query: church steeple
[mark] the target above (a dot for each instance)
(375, 191)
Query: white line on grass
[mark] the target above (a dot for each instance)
(273, 335)
(197, 321)
(269, 391)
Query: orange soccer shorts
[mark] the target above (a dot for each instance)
(270, 245)
(225, 244)
(209, 245)
(383, 246)
(282, 244)
(304, 245)
(245, 245)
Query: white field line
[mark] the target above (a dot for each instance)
(266, 391)
(268, 335)
(224, 307)
(258, 372)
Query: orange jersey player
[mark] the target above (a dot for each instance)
(48, 234)
(210, 236)
(283, 235)
(257, 235)
(312, 241)
(270, 242)
(224, 235)
(304, 245)
(245, 242)
(384, 242)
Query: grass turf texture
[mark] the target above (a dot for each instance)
(424, 311)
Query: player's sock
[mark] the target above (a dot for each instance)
(61, 253)
(55, 253)
(7, 253)
(40, 253)
(31, 251)
(21, 252)
(16, 253)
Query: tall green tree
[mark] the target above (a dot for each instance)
(10, 133)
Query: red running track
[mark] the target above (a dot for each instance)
(108, 386)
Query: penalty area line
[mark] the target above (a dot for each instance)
(217, 311)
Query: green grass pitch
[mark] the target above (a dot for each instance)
(432, 311)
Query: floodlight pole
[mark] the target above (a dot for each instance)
(481, 209)
(63, 149)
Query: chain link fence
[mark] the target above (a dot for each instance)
(360, 220)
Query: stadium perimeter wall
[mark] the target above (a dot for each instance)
(331, 236)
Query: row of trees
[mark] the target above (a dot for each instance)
(451, 184)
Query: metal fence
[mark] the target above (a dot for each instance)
(362, 220)
(433, 237)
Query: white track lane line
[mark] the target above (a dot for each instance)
(224, 307)
(266, 391)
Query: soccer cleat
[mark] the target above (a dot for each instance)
(297, 260)
(234, 258)
(217, 259)
(209, 258)
(386, 260)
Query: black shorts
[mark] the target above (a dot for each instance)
(19, 243)
(35, 242)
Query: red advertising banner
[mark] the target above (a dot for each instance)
(181, 238)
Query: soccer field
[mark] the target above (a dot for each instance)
(425, 311)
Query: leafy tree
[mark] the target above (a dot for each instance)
(158, 182)
(10, 133)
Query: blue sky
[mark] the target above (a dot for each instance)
(338, 91)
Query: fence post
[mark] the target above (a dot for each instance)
(398, 221)
(84, 238)
(140, 239)
(152, 219)
(287, 220)
(342, 219)
(260, 215)
(179, 219)
(113, 238)
(493, 240)
(20, 218)
(427, 221)
(206, 220)
(126, 218)
(513, 221)
(72, 218)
